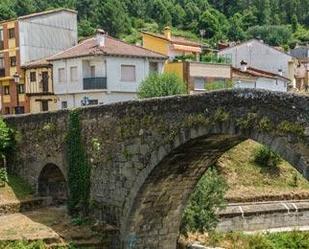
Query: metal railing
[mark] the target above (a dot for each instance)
(95, 83)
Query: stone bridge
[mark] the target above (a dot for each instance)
(147, 156)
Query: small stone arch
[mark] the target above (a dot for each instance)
(52, 183)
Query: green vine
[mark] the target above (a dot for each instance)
(78, 168)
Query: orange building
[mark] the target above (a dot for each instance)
(13, 98)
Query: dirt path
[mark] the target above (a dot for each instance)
(52, 225)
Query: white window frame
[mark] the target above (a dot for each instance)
(123, 79)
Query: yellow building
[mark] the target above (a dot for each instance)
(39, 86)
(172, 46)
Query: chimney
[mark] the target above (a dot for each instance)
(168, 33)
(100, 37)
(280, 72)
(243, 66)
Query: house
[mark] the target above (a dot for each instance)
(101, 70)
(302, 69)
(39, 86)
(200, 76)
(29, 38)
(261, 56)
(248, 77)
(169, 45)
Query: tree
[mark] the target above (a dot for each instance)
(200, 213)
(236, 33)
(209, 23)
(112, 17)
(294, 23)
(6, 12)
(157, 85)
(85, 28)
(263, 11)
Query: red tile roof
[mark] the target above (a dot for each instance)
(37, 63)
(113, 47)
(175, 39)
(259, 73)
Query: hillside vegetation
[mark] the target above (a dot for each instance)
(248, 181)
(278, 22)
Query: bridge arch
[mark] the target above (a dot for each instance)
(156, 213)
(52, 182)
(127, 144)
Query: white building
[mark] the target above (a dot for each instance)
(248, 77)
(261, 56)
(101, 70)
(46, 33)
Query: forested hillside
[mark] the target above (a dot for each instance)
(278, 22)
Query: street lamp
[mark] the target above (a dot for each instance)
(16, 81)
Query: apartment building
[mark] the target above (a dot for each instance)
(29, 38)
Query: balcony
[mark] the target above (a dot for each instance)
(2, 72)
(95, 83)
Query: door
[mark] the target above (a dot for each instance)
(45, 82)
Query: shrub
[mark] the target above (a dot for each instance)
(208, 197)
(217, 85)
(3, 175)
(266, 157)
(157, 85)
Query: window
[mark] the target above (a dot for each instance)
(92, 71)
(2, 68)
(13, 61)
(44, 105)
(19, 110)
(32, 76)
(7, 110)
(21, 88)
(6, 90)
(153, 67)
(73, 74)
(11, 33)
(1, 61)
(61, 75)
(199, 84)
(1, 40)
(128, 73)
(64, 105)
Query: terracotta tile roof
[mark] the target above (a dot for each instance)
(176, 39)
(112, 47)
(37, 63)
(254, 72)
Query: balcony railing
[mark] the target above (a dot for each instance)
(95, 83)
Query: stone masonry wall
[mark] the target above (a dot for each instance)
(140, 151)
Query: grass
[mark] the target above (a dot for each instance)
(30, 245)
(247, 179)
(236, 240)
(15, 189)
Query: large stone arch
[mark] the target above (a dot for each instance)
(155, 216)
(126, 142)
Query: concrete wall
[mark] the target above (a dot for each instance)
(261, 216)
(147, 156)
(262, 83)
(45, 35)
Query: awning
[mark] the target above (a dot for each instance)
(187, 48)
